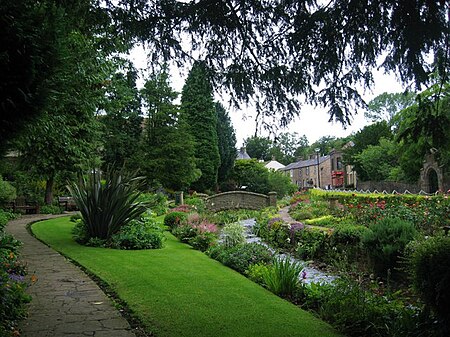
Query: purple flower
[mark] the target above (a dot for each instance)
(303, 275)
(273, 220)
(16, 278)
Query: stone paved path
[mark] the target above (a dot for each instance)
(65, 301)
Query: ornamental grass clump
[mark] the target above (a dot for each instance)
(283, 277)
(233, 235)
(106, 206)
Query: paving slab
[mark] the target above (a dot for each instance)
(65, 301)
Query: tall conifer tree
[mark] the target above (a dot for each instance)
(226, 141)
(199, 113)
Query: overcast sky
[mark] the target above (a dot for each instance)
(312, 122)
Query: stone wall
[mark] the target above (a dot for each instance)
(240, 199)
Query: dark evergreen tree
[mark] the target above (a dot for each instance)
(167, 150)
(199, 113)
(123, 120)
(227, 143)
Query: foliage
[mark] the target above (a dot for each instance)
(230, 216)
(256, 272)
(429, 264)
(369, 135)
(156, 202)
(106, 207)
(13, 283)
(197, 203)
(7, 191)
(233, 234)
(280, 183)
(380, 162)
(168, 153)
(199, 113)
(64, 138)
(385, 242)
(196, 231)
(226, 140)
(252, 175)
(139, 235)
(5, 216)
(302, 210)
(355, 311)
(282, 277)
(324, 221)
(425, 127)
(386, 105)
(258, 147)
(50, 209)
(312, 244)
(241, 257)
(122, 122)
(175, 219)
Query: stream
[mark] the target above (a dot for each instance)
(312, 275)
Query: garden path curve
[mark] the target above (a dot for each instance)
(66, 302)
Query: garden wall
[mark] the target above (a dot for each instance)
(240, 199)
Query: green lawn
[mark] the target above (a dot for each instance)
(178, 291)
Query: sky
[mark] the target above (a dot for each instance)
(312, 121)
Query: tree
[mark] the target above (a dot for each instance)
(385, 106)
(274, 53)
(369, 135)
(423, 128)
(266, 52)
(65, 136)
(380, 162)
(167, 149)
(290, 146)
(199, 113)
(258, 147)
(251, 175)
(281, 183)
(226, 141)
(122, 122)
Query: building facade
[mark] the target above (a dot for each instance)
(327, 172)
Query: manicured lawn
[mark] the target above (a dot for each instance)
(178, 291)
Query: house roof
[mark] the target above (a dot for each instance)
(242, 154)
(305, 163)
(275, 165)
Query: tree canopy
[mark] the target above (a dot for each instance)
(270, 53)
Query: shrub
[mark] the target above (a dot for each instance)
(233, 234)
(256, 272)
(157, 202)
(5, 216)
(139, 235)
(240, 257)
(429, 264)
(282, 277)
(357, 312)
(7, 191)
(185, 233)
(50, 209)
(203, 240)
(107, 206)
(312, 244)
(12, 285)
(196, 203)
(385, 242)
(175, 219)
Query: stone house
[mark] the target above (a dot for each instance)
(326, 172)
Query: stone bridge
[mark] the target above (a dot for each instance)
(240, 200)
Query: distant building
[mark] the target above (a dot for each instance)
(326, 172)
(274, 165)
(242, 154)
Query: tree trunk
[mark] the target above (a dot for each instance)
(48, 199)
